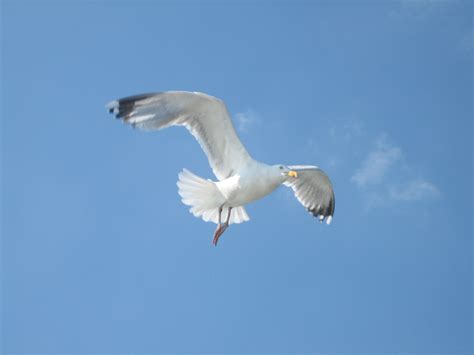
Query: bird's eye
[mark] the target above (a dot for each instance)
(281, 167)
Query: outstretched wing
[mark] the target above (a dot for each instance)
(314, 190)
(206, 117)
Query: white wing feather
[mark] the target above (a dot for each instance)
(314, 191)
(206, 117)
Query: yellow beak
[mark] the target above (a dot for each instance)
(293, 174)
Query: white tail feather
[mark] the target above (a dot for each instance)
(205, 199)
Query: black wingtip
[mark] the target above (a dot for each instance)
(123, 107)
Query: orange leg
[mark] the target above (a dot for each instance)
(221, 227)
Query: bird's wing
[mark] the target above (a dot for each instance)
(314, 190)
(206, 117)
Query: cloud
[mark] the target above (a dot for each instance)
(246, 119)
(384, 177)
(371, 160)
(377, 164)
(414, 191)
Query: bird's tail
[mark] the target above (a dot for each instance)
(205, 199)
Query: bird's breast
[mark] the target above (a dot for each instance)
(240, 190)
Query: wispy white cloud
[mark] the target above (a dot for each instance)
(374, 163)
(377, 164)
(385, 177)
(414, 191)
(246, 119)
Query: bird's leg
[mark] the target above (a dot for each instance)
(218, 229)
(228, 217)
(221, 227)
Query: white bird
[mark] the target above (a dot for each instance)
(241, 179)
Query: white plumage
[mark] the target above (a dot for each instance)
(240, 179)
(204, 195)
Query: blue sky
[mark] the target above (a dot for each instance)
(100, 256)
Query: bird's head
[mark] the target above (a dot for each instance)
(285, 171)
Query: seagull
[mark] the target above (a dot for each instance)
(240, 178)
